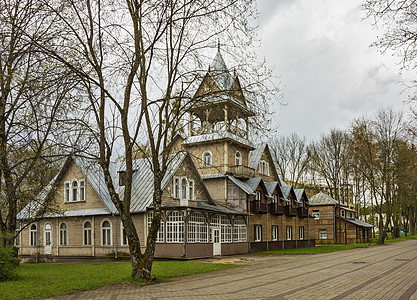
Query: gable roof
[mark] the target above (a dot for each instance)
(299, 193)
(220, 73)
(322, 199)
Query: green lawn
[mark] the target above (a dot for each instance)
(49, 280)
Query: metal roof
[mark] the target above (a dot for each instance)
(256, 155)
(299, 194)
(243, 185)
(218, 208)
(209, 137)
(271, 186)
(359, 223)
(254, 182)
(79, 212)
(322, 199)
(220, 73)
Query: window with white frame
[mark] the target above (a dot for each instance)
(17, 235)
(75, 190)
(82, 190)
(239, 230)
(67, 191)
(348, 214)
(275, 233)
(316, 214)
(264, 167)
(289, 233)
(323, 234)
(226, 230)
(87, 234)
(197, 228)
(160, 235)
(215, 222)
(123, 235)
(176, 187)
(207, 158)
(33, 235)
(63, 234)
(301, 232)
(258, 196)
(238, 158)
(175, 227)
(343, 213)
(106, 234)
(258, 233)
(275, 199)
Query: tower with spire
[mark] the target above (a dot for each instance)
(218, 132)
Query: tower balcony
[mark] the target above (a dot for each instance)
(241, 171)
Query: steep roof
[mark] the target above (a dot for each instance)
(256, 155)
(220, 73)
(299, 194)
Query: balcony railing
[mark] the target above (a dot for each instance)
(276, 209)
(257, 206)
(241, 171)
(290, 211)
(302, 212)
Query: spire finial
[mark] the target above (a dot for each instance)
(218, 45)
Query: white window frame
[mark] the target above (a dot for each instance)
(106, 241)
(289, 233)
(258, 196)
(316, 214)
(33, 235)
(207, 160)
(63, 234)
(275, 232)
(67, 191)
(239, 230)
(215, 222)
(197, 228)
(258, 233)
(301, 232)
(87, 234)
(190, 189)
(348, 214)
(238, 158)
(226, 230)
(184, 191)
(160, 235)
(82, 187)
(177, 187)
(123, 236)
(264, 167)
(76, 189)
(323, 234)
(343, 213)
(175, 227)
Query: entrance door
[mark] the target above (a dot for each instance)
(48, 238)
(217, 246)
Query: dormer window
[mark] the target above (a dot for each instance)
(238, 158)
(264, 168)
(258, 196)
(207, 158)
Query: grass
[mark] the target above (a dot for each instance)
(49, 280)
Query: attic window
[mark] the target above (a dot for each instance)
(264, 168)
(122, 175)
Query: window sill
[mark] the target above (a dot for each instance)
(81, 201)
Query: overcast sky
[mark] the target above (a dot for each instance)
(329, 73)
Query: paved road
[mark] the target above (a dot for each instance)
(383, 272)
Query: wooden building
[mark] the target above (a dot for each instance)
(221, 193)
(336, 222)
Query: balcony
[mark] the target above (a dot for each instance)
(302, 212)
(290, 211)
(257, 206)
(276, 209)
(241, 171)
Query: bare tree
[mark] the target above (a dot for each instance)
(32, 94)
(292, 157)
(139, 63)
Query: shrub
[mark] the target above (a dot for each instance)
(8, 264)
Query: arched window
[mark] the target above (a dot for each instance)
(184, 185)
(207, 158)
(75, 190)
(33, 241)
(175, 228)
(238, 158)
(87, 234)
(63, 234)
(106, 233)
(264, 168)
